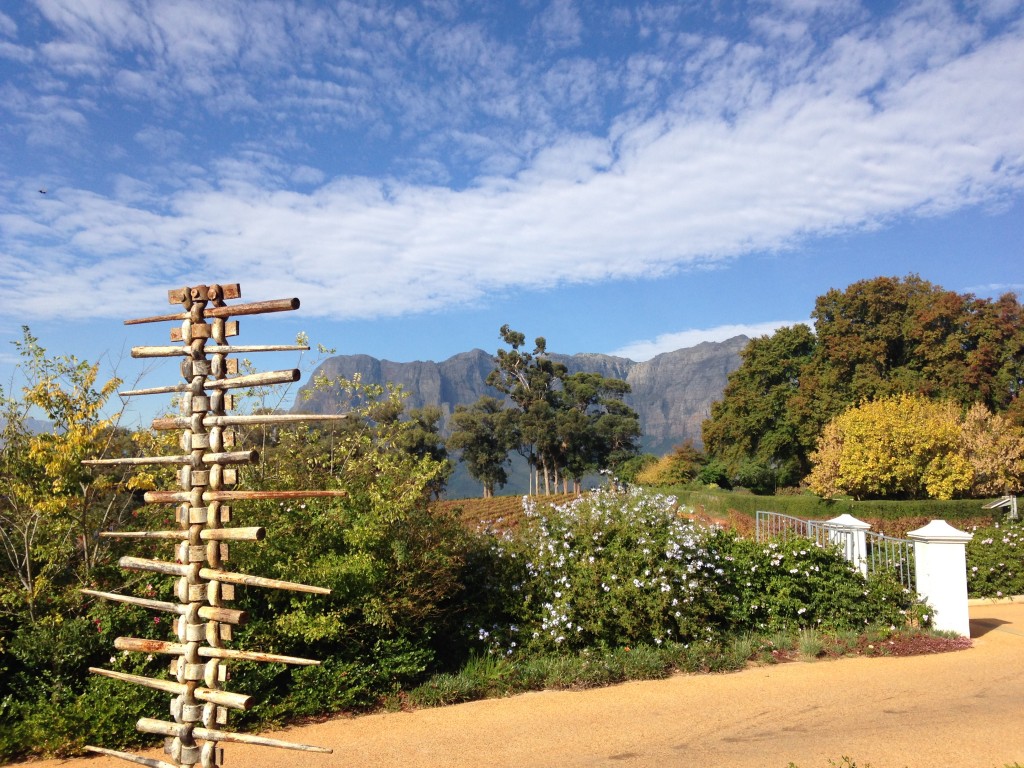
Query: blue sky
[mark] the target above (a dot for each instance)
(626, 178)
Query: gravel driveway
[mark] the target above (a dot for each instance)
(946, 710)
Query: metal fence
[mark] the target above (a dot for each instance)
(887, 553)
(868, 552)
(772, 525)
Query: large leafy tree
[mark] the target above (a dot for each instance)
(596, 429)
(568, 424)
(889, 335)
(484, 433)
(754, 423)
(875, 339)
(903, 446)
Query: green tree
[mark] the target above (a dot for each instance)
(877, 338)
(423, 439)
(484, 433)
(596, 429)
(568, 424)
(529, 381)
(754, 421)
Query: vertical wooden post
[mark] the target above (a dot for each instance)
(206, 480)
(191, 630)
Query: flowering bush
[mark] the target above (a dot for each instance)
(615, 569)
(994, 567)
(796, 584)
(611, 570)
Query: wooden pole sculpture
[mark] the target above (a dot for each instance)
(206, 478)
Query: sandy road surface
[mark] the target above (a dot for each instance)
(963, 709)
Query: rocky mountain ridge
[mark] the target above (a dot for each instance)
(671, 392)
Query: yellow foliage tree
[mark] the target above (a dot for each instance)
(995, 448)
(51, 507)
(676, 468)
(904, 446)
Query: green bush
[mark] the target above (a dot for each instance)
(612, 570)
(608, 570)
(778, 586)
(395, 568)
(60, 720)
(995, 567)
(809, 506)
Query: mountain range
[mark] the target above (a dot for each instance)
(672, 392)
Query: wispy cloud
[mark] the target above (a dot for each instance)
(560, 24)
(669, 342)
(505, 172)
(996, 289)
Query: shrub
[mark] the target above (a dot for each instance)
(608, 570)
(394, 566)
(777, 586)
(807, 505)
(612, 570)
(994, 566)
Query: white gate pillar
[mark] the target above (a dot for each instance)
(940, 564)
(850, 534)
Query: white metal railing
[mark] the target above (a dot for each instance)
(868, 552)
(894, 555)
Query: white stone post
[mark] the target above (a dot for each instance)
(940, 563)
(850, 533)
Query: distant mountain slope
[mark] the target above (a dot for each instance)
(672, 392)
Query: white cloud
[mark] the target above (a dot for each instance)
(786, 31)
(996, 9)
(669, 342)
(19, 53)
(74, 59)
(163, 142)
(305, 175)
(996, 289)
(8, 27)
(810, 7)
(560, 24)
(723, 148)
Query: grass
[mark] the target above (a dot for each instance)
(807, 505)
(810, 644)
(491, 676)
